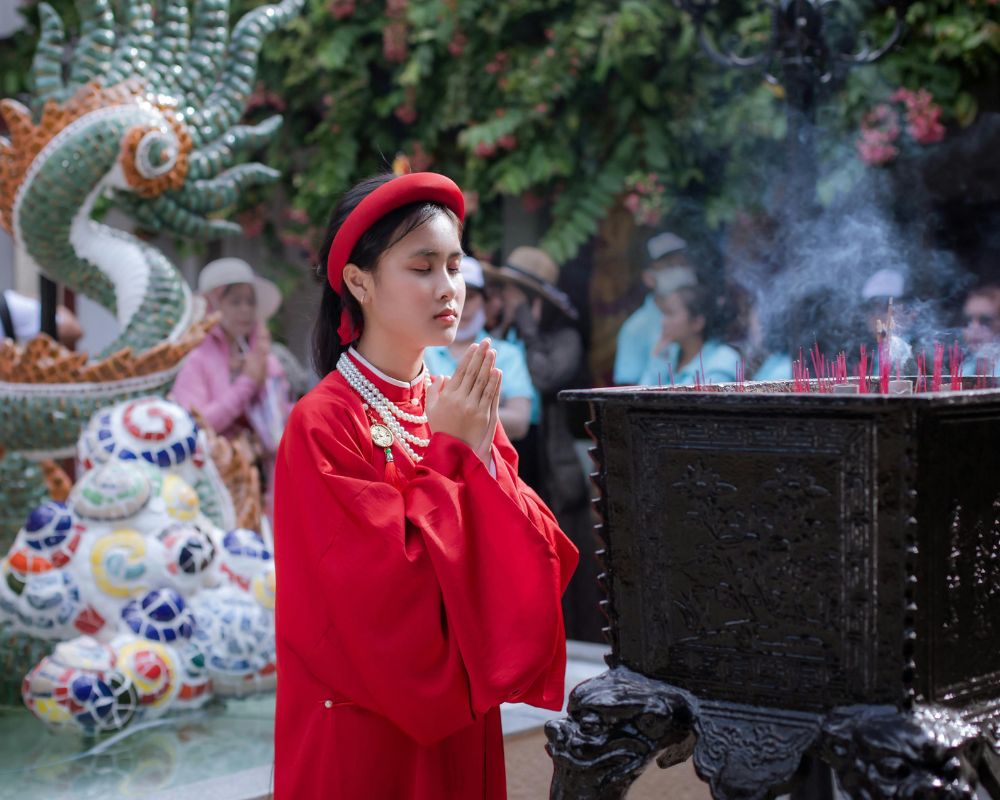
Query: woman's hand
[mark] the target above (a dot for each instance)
(466, 405)
(255, 366)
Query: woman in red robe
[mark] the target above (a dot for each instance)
(419, 579)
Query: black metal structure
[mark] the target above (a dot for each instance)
(805, 52)
(794, 579)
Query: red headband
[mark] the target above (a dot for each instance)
(412, 188)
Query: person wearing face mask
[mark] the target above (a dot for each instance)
(232, 380)
(981, 331)
(516, 390)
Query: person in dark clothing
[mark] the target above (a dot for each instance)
(539, 317)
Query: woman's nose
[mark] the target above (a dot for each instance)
(448, 287)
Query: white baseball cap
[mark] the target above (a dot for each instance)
(472, 271)
(664, 244)
(227, 271)
(884, 283)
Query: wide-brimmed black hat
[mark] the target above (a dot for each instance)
(535, 270)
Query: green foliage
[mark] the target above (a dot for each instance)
(562, 100)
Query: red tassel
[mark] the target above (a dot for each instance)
(392, 475)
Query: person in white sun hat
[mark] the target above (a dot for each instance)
(668, 271)
(232, 379)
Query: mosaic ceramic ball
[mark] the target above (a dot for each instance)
(237, 636)
(79, 686)
(243, 556)
(179, 498)
(195, 683)
(112, 491)
(263, 588)
(189, 550)
(119, 562)
(47, 604)
(149, 429)
(153, 668)
(160, 616)
(49, 526)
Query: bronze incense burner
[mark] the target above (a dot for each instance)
(794, 578)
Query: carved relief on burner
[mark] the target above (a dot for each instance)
(972, 574)
(761, 575)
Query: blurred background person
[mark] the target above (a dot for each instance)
(882, 287)
(539, 318)
(981, 331)
(689, 349)
(641, 331)
(21, 319)
(232, 379)
(516, 391)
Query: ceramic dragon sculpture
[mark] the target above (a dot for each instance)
(147, 116)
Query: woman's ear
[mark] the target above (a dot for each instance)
(698, 323)
(358, 282)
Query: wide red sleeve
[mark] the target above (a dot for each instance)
(428, 606)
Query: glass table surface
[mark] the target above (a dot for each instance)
(146, 759)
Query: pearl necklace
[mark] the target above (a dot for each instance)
(384, 407)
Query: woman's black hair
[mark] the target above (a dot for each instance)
(701, 301)
(366, 254)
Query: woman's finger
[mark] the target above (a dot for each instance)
(478, 390)
(463, 365)
(474, 367)
(492, 391)
(434, 391)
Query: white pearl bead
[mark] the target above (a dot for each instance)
(387, 410)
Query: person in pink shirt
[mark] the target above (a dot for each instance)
(232, 379)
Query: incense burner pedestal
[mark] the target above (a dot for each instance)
(794, 580)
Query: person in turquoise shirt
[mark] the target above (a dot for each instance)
(776, 367)
(981, 332)
(516, 391)
(641, 331)
(687, 351)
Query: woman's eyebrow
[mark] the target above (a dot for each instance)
(433, 253)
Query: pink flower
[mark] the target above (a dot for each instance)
(457, 43)
(420, 159)
(550, 34)
(484, 149)
(883, 119)
(406, 114)
(471, 201)
(297, 215)
(876, 152)
(501, 113)
(395, 8)
(262, 97)
(492, 68)
(341, 9)
(542, 108)
(394, 42)
(926, 130)
(632, 202)
(508, 141)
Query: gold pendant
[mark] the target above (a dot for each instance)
(382, 436)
